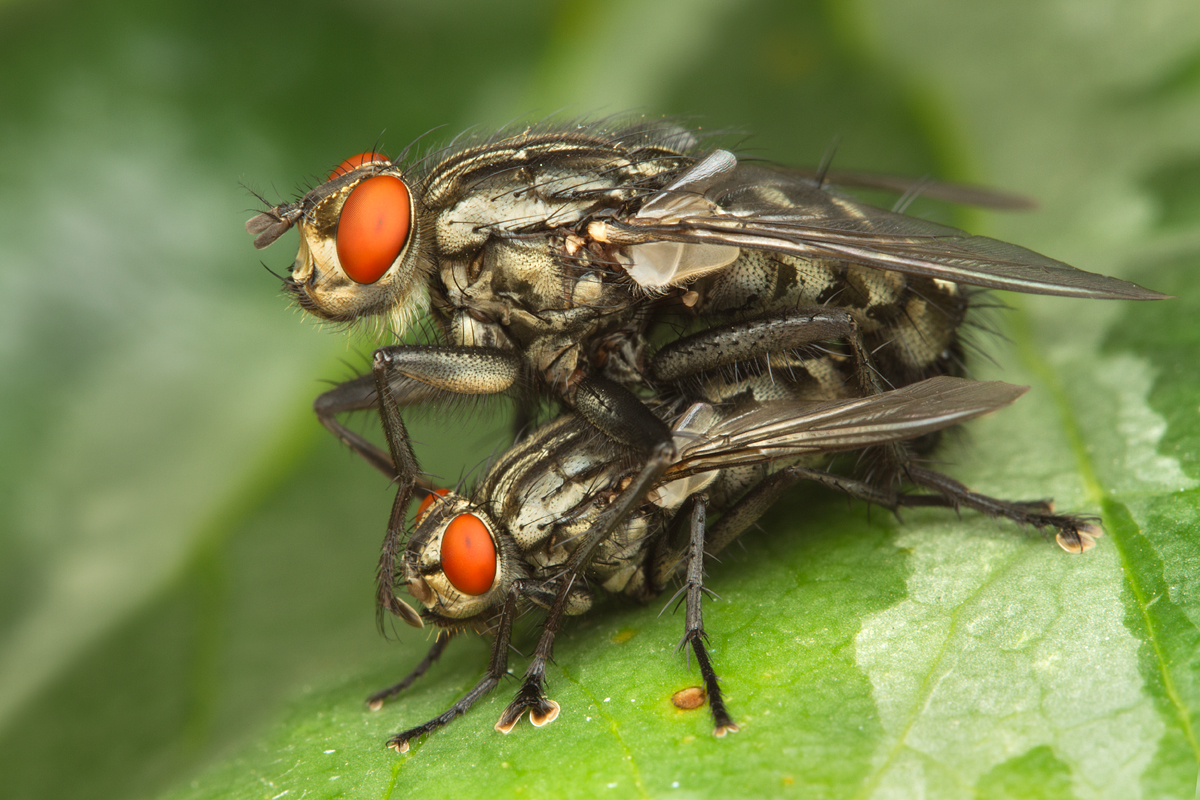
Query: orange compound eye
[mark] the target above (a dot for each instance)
(468, 555)
(429, 500)
(373, 227)
(354, 162)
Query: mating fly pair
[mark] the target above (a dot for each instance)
(601, 265)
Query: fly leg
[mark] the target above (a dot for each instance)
(724, 346)
(359, 394)
(620, 415)
(455, 370)
(731, 525)
(531, 695)
(701, 542)
(694, 626)
(751, 506)
(497, 668)
(375, 701)
(1075, 534)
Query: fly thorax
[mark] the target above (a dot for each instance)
(527, 274)
(550, 500)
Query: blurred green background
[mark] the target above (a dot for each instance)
(186, 559)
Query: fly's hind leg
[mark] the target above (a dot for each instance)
(1075, 534)
(724, 347)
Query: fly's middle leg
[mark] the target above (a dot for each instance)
(620, 415)
(497, 669)
(694, 634)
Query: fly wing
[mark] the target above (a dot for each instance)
(961, 193)
(731, 205)
(784, 429)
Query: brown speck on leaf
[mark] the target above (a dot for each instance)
(690, 698)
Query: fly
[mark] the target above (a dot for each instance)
(562, 517)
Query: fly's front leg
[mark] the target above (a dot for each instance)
(497, 668)
(449, 370)
(376, 701)
(531, 695)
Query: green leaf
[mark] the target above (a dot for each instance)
(186, 558)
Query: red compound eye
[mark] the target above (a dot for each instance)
(468, 555)
(373, 227)
(354, 162)
(429, 500)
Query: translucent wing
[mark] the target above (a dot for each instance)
(720, 205)
(961, 193)
(786, 428)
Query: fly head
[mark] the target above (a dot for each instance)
(360, 243)
(459, 563)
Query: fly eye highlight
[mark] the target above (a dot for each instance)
(468, 555)
(373, 228)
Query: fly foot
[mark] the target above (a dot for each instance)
(542, 710)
